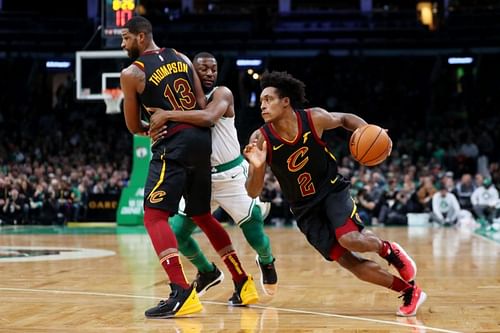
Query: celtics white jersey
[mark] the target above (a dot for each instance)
(228, 186)
(225, 145)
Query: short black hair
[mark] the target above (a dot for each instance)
(203, 55)
(139, 24)
(286, 85)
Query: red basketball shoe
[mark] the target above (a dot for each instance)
(412, 299)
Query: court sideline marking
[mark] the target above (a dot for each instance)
(490, 238)
(86, 293)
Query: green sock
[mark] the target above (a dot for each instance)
(183, 228)
(253, 229)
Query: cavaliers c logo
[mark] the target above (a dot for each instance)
(296, 161)
(157, 197)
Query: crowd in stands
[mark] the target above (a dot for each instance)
(53, 158)
(54, 154)
(387, 193)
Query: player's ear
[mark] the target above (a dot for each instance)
(142, 37)
(285, 101)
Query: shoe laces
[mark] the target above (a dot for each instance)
(174, 293)
(166, 302)
(407, 296)
(163, 302)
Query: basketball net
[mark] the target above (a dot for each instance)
(113, 99)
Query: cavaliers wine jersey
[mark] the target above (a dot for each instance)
(169, 81)
(304, 167)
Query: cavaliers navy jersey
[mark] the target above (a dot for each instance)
(304, 167)
(169, 81)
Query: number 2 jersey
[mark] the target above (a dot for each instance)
(304, 167)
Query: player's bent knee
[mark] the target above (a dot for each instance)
(349, 236)
(352, 241)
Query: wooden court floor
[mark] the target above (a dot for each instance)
(104, 281)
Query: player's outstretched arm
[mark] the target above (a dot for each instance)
(255, 152)
(324, 120)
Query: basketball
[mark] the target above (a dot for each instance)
(370, 145)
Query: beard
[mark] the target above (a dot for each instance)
(133, 53)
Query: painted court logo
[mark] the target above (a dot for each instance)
(39, 253)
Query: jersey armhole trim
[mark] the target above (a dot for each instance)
(139, 65)
(313, 129)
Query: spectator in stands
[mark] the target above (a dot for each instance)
(49, 213)
(76, 198)
(64, 198)
(495, 172)
(425, 193)
(13, 208)
(464, 189)
(280, 211)
(36, 204)
(396, 209)
(485, 201)
(445, 206)
(4, 193)
(378, 186)
(448, 181)
(366, 205)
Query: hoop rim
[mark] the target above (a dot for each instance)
(113, 98)
(113, 93)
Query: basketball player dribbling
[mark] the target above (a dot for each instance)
(180, 164)
(290, 142)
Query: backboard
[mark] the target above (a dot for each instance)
(98, 71)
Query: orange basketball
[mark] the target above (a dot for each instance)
(370, 145)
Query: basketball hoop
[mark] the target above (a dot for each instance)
(113, 99)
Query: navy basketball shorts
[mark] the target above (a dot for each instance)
(180, 167)
(328, 219)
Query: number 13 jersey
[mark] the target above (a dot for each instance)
(168, 81)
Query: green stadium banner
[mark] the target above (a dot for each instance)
(130, 210)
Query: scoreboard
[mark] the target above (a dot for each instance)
(115, 13)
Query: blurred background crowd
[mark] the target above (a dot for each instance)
(388, 66)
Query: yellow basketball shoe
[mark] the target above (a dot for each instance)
(180, 302)
(245, 293)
